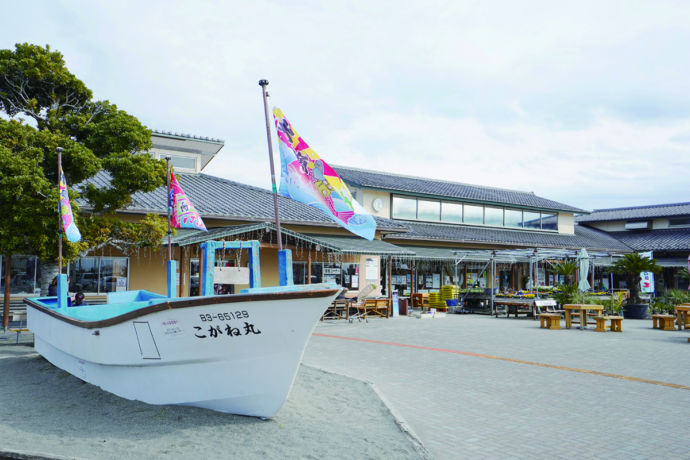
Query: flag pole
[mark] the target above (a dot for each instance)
(59, 175)
(167, 168)
(264, 84)
(172, 264)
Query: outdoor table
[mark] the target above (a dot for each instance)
(583, 313)
(682, 313)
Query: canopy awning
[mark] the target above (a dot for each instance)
(354, 245)
(430, 253)
(530, 255)
(672, 262)
(337, 244)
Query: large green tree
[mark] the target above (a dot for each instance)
(631, 266)
(46, 107)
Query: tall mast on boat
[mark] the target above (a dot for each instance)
(264, 84)
(60, 229)
(172, 264)
(167, 168)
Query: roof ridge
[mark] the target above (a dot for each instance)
(187, 136)
(229, 181)
(649, 206)
(433, 180)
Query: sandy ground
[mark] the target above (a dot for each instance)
(45, 411)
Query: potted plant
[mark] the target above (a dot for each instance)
(631, 265)
(615, 303)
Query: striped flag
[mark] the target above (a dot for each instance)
(183, 213)
(70, 227)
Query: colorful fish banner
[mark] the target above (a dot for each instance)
(183, 213)
(307, 178)
(70, 227)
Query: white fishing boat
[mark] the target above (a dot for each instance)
(235, 353)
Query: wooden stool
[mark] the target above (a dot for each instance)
(664, 322)
(550, 320)
(601, 323)
(616, 323)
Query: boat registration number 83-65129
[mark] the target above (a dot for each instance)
(224, 316)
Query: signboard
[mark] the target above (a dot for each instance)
(120, 283)
(394, 303)
(646, 278)
(355, 282)
(372, 270)
(436, 283)
(647, 282)
(231, 275)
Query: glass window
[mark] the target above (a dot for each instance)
(183, 162)
(493, 216)
(113, 274)
(316, 272)
(404, 208)
(24, 274)
(350, 271)
(99, 274)
(332, 273)
(532, 219)
(473, 214)
(451, 212)
(429, 210)
(513, 218)
(679, 222)
(299, 273)
(194, 277)
(549, 221)
(84, 275)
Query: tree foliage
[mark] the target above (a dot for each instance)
(95, 136)
(631, 265)
(566, 268)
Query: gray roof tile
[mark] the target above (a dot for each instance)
(584, 237)
(214, 197)
(637, 212)
(454, 190)
(670, 239)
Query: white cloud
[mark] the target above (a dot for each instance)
(586, 103)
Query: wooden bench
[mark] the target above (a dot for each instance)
(550, 320)
(339, 309)
(616, 323)
(376, 307)
(664, 322)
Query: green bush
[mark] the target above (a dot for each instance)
(567, 293)
(669, 299)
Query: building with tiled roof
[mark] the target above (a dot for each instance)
(442, 216)
(434, 188)
(420, 222)
(663, 229)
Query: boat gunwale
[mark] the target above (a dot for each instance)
(171, 304)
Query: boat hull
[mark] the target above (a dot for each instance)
(237, 353)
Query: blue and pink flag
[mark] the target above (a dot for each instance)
(183, 213)
(70, 227)
(307, 178)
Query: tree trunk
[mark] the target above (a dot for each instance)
(49, 270)
(634, 286)
(6, 303)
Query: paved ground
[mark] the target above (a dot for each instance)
(474, 386)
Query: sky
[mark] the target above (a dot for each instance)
(586, 103)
